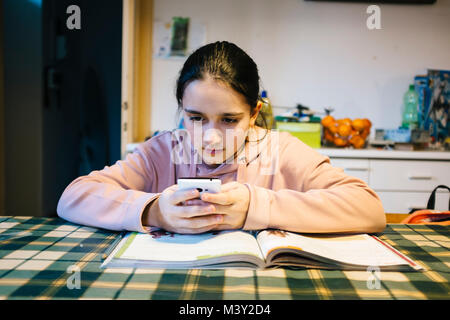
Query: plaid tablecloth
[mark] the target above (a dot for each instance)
(60, 260)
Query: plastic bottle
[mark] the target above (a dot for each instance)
(410, 119)
(266, 111)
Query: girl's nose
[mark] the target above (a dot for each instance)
(212, 136)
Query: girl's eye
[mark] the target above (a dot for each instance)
(229, 120)
(195, 118)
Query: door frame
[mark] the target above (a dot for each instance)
(136, 71)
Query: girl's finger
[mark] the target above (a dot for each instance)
(195, 211)
(201, 222)
(222, 198)
(183, 195)
(195, 202)
(173, 187)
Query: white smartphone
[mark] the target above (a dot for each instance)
(211, 185)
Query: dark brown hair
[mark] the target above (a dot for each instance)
(226, 62)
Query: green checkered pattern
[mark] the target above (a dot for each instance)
(39, 266)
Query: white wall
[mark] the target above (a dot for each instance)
(319, 54)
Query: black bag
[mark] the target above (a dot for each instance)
(432, 199)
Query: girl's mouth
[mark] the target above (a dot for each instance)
(213, 152)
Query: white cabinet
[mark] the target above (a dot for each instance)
(358, 168)
(403, 180)
(404, 202)
(408, 175)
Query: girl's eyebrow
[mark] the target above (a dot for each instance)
(192, 111)
(227, 114)
(233, 114)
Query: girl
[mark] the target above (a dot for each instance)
(269, 179)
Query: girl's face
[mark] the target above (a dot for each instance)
(217, 119)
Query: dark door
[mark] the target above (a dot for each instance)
(62, 97)
(82, 100)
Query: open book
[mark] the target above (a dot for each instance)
(262, 249)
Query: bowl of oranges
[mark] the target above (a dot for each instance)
(345, 132)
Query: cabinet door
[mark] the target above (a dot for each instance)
(407, 175)
(358, 168)
(403, 202)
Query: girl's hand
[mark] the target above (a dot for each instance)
(232, 202)
(170, 213)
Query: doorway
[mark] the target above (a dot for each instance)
(62, 98)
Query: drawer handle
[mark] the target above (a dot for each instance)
(357, 169)
(420, 178)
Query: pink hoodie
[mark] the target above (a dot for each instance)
(292, 187)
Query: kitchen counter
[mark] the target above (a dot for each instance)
(385, 154)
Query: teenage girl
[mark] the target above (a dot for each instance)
(269, 179)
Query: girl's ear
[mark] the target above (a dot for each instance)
(255, 113)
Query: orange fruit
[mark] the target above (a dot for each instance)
(354, 138)
(333, 128)
(344, 130)
(358, 124)
(327, 121)
(339, 142)
(328, 136)
(367, 123)
(353, 133)
(345, 121)
(365, 133)
(358, 142)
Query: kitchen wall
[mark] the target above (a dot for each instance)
(319, 54)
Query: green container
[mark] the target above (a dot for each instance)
(307, 132)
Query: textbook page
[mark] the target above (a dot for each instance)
(359, 249)
(167, 246)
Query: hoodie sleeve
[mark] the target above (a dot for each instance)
(113, 198)
(314, 197)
